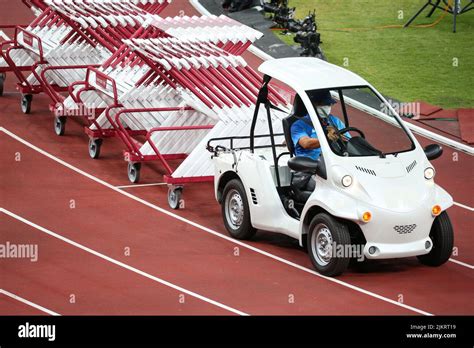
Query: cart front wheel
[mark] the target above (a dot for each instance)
(94, 147)
(325, 233)
(442, 236)
(60, 125)
(174, 197)
(26, 103)
(134, 172)
(235, 211)
(3, 76)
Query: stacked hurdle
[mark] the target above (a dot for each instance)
(66, 38)
(232, 36)
(177, 93)
(150, 6)
(135, 80)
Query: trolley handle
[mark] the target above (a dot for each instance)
(29, 39)
(34, 3)
(102, 80)
(12, 26)
(47, 85)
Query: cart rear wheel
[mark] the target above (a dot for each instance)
(324, 231)
(60, 125)
(26, 103)
(174, 196)
(442, 236)
(133, 170)
(3, 76)
(235, 211)
(94, 147)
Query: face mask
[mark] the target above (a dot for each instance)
(324, 111)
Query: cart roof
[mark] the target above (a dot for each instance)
(310, 73)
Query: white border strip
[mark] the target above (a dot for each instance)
(461, 263)
(463, 206)
(29, 303)
(210, 231)
(121, 264)
(416, 129)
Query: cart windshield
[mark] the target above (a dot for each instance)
(352, 132)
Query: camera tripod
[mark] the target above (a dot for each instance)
(454, 9)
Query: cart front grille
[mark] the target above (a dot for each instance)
(404, 229)
(367, 171)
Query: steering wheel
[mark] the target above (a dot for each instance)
(348, 129)
(340, 146)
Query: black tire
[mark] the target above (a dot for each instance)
(94, 147)
(442, 236)
(133, 171)
(304, 240)
(174, 197)
(327, 226)
(3, 76)
(25, 103)
(60, 125)
(237, 221)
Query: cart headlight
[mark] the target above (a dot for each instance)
(346, 180)
(429, 173)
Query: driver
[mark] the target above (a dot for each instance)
(303, 133)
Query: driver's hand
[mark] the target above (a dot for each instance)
(332, 134)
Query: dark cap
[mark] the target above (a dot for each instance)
(321, 96)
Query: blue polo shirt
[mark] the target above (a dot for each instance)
(301, 129)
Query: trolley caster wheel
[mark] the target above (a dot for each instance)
(94, 147)
(3, 76)
(60, 125)
(26, 103)
(134, 172)
(174, 197)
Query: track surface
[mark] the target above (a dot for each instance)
(184, 255)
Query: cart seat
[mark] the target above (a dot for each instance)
(301, 183)
(299, 111)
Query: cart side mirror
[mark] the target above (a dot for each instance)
(433, 151)
(303, 164)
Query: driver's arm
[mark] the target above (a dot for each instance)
(301, 136)
(309, 143)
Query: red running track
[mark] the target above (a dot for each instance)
(104, 219)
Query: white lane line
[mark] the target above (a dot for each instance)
(29, 303)
(121, 264)
(463, 206)
(141, 185)
(215, 233)
(461, 263)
